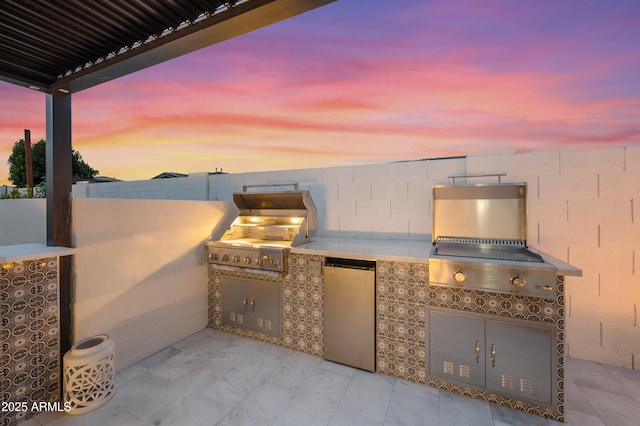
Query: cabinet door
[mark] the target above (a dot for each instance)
(519, 360)
(456, 349)
(264, 304)
(235, 303)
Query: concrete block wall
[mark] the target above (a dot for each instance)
(23, 221)
(388, 201)
(142, 278)
(583, 207)
(193, 187)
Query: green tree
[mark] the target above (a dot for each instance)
(18, 168)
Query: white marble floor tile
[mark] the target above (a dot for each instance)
(628, 379)
(139, 396)
(575, 400)
(415, 388)
(31, 422)
(346, 417)
(180, 365)
(508, 416)
(458, 410)
(192, 410)
(297, 416)
(591, 375)
(368, 394)
(226, 391)
(614, 409)
(261, 407)
(344, 370)
(250, 372)
(295, 369)
(409, 409)
(158, 357)
(322, 392)
(202, 343)
(217, 378)
(276, 350)
(129, 373)
(99, 417)
(576, 418)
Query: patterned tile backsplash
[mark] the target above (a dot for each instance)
(30, 336)
(403, 295)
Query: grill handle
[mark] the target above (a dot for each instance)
(476, 175)
(294, 185)
(493, 355)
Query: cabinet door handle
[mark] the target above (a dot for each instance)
(245, 302)
(493, 355)
(253, 305)
(477, 351)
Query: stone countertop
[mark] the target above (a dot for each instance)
(563, 267)
(20, 252)
(415, 251)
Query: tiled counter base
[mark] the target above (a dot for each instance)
(400, 309)
(30, 336)
(403, 294)
(302, 293)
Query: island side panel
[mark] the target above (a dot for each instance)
(302, 303)
(403, 294)
(30, 334)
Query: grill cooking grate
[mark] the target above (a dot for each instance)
(481, 241)
(496, 249)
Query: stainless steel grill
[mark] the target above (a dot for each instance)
(479, 241)
(269, 224)
(486, 249)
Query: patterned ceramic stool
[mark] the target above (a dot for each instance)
(89, 374)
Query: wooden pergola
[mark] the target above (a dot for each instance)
(59, 47)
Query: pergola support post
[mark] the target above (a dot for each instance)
(59, 174)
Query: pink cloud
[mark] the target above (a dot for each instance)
(431, 78)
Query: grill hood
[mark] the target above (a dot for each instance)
(480, 212)
(282, 218)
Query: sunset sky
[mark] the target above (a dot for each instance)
(359, 82)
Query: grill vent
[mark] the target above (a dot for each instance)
(448, 367)
(526, 386)
(264, 323)
(507, 381)
(465, 371)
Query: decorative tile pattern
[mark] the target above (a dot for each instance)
(302, 294)
(30, 335)
(403, 294)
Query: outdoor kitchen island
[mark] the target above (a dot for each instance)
(403, 301)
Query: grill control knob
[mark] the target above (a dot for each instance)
(213, 256)
(518, 281)
(225, 258)
(236, 259)
(459, 276)
(247, 260)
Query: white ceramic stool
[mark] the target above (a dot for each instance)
(89, 374)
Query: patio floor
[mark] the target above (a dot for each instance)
(217, 378)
